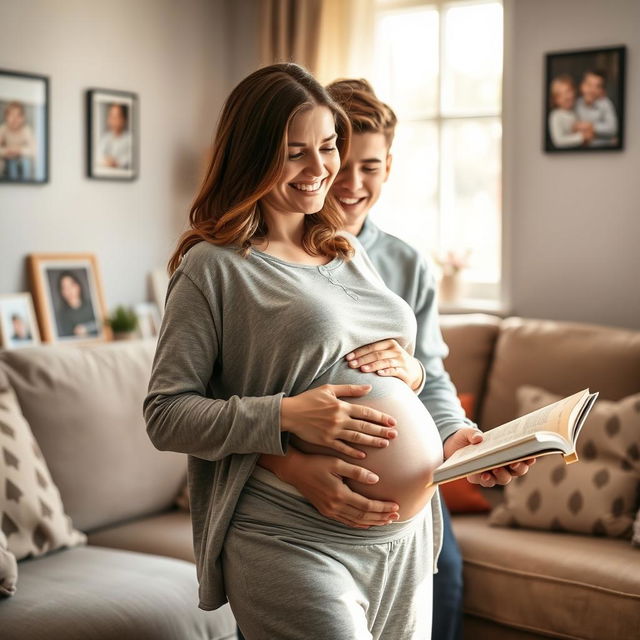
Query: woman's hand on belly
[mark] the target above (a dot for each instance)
(387, 358)
(319, 479)
(318, 416)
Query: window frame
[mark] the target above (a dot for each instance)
(482, 296)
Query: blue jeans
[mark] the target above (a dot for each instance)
(447, 586)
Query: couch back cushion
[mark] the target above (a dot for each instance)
(84, 405)
(471, 340)
(561, 357)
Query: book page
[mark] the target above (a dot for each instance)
(554, 417)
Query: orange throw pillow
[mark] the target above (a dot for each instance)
(460, 495)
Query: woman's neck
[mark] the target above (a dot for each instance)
(284, 238)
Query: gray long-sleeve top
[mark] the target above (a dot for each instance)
(409, 275)
(237, 335)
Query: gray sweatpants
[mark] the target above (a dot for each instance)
(292, 574)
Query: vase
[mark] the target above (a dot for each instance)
(124, 335)
(452, 288)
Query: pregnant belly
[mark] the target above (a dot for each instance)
(406, 466)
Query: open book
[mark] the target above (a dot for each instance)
(552, 429)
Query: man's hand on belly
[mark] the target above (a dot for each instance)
(320, 480)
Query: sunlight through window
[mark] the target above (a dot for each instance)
(439, 65)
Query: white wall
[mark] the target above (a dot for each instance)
(573, 219)
(173, 55)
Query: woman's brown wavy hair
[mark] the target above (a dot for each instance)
(249, 154)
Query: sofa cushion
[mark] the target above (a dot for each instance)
(91, 592)
(558, 584)
(166, 534)
(471, 339)
(84, 405)
(562, 357)
(597, 495)
(32, 518)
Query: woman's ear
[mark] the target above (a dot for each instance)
(388, 166)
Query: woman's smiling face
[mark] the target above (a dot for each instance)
(311, 165)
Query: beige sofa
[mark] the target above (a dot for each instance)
(136, 579)
(518, 583)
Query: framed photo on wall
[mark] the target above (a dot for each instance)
(18, 325)
(584, 100)
(112, 134)
(69, 298)
(24, 128)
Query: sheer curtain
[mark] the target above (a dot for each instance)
(290, 32)
(331, 38)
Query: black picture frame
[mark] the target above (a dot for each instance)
(24, 95)
(585, 72)
(100, 104)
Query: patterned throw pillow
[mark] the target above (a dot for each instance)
(32, 517)
(597, 495)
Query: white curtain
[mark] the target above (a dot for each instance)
(345, 48)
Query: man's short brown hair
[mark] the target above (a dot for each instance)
(367, 113)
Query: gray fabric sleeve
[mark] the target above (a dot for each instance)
(438, 393)
(179, 415)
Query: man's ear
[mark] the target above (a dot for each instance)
(388, 166)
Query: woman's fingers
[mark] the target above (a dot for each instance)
(366, 361)
(356, 432)
(368, 348)
(370, 415)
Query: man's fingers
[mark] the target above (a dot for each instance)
(343, 447)
(354, 472)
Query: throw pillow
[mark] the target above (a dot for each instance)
(598, 494)
(32, 517)
(462, 496)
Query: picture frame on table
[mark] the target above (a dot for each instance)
(112, 134)
(18, 324)
(159, 284)
(69, 297)
(148, 319)
(584, 100)
(24, 128)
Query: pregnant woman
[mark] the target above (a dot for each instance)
(266, 299)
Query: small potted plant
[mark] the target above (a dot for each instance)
(123, 322)
(452, 285)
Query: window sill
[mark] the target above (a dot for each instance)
(476, 305)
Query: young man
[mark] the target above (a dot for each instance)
(408, 274)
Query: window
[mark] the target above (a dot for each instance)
(439, 66)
